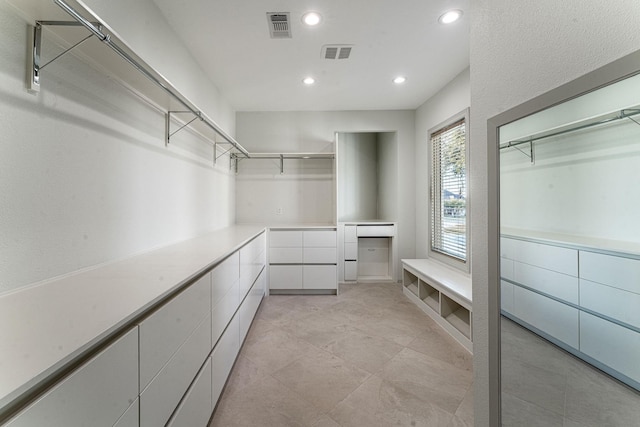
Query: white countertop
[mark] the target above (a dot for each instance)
(44, 327)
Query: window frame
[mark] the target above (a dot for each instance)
(450, 260)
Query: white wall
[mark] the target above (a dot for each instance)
(84, 174)
(450, 100)
(521, 49)
(311, 132)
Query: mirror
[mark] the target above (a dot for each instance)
(570, 261)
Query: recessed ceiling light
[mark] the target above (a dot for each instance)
(399, 80)
(311, 18)
(450, 16)
(308, 80)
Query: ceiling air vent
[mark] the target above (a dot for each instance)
(336, 51)
(279, 27)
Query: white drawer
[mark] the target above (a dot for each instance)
(561, 260)
(223, 356)
(506, 296)
(250, 305)
(285, 255)
(611, 344)
(162, 333)
(351, 251)
(252, 261)
(623, 273)
(350, 270)
(131, 417)
(612, 302)
(506, 268)
(320, 277)
(350, 234)
(556, 284)
(224, 276)
(550, 316)
(160, 398)
(376, 231)
(320, 255)
(222, 313)
(285, 277)
(196, 407)
(285, 238)
(96, 394)
(320, 239)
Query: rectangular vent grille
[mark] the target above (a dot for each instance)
(336, 51)
(279, 27)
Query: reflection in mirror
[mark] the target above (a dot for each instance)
(570, 261)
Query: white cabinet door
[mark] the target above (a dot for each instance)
(285, 277)
(95, 395)
(623, 273)
(320, 255)
(222, 313)
(224, 276)
(350, 270)
(162, 333)
(320, 277)
(223, 356)
(196, 407)
(285, 255)
(350, 234)
(285, 239)
(319, 239)
(162, 395)
(611, 344)
(556, 284)
(555, 318)
(612, 302)
(561, 260)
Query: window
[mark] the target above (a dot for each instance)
(448, 192)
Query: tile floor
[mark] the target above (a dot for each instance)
(367, 357)
(545, 386)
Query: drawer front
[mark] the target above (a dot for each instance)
(320, 277)
(320, 239)
(196, 407)
(131, 417)
(350, 234)
(506, 269)
(162, 395)
(285, 277)
(506, 296)
(350, 270)
(623, 273)
(222, 313)
(612, 302)
(351, 251)
(611, 344)
(561, 260)
(285, 255)
(162, 333)
(285, 239)
(250, 305)
(556, 284)
(376, 231)
(223, 277)
(96, 394)
(320, 255)
(556, 319)
(223, 356)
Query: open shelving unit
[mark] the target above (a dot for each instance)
(442, 293)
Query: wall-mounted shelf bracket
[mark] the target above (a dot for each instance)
(530, 154)
(216, 156)
(197, 115)
(628, 113)
(35, 64)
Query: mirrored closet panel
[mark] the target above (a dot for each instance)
(570, 261)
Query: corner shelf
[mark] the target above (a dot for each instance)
(442, 293)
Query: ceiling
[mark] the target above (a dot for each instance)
(231, 41)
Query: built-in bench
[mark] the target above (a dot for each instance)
(443, 293)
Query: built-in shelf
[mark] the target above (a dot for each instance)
(442, 293)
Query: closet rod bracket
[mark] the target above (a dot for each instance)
(169, 134)
(35, 64)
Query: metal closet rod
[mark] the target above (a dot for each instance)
(293, 156)
(106, 38)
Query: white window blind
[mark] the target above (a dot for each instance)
(449, 191)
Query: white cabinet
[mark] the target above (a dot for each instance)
(252, 261)
(304, 259)
(250, 305)
(162, 333)
(96, 394)
(350, 270)
(350, 234)
(612, 302)
(131, 418)
(549, 282)
(196, 406)
(224, 310)
(223, 356)
(616, 271)
(555, 258)
(223, 277)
